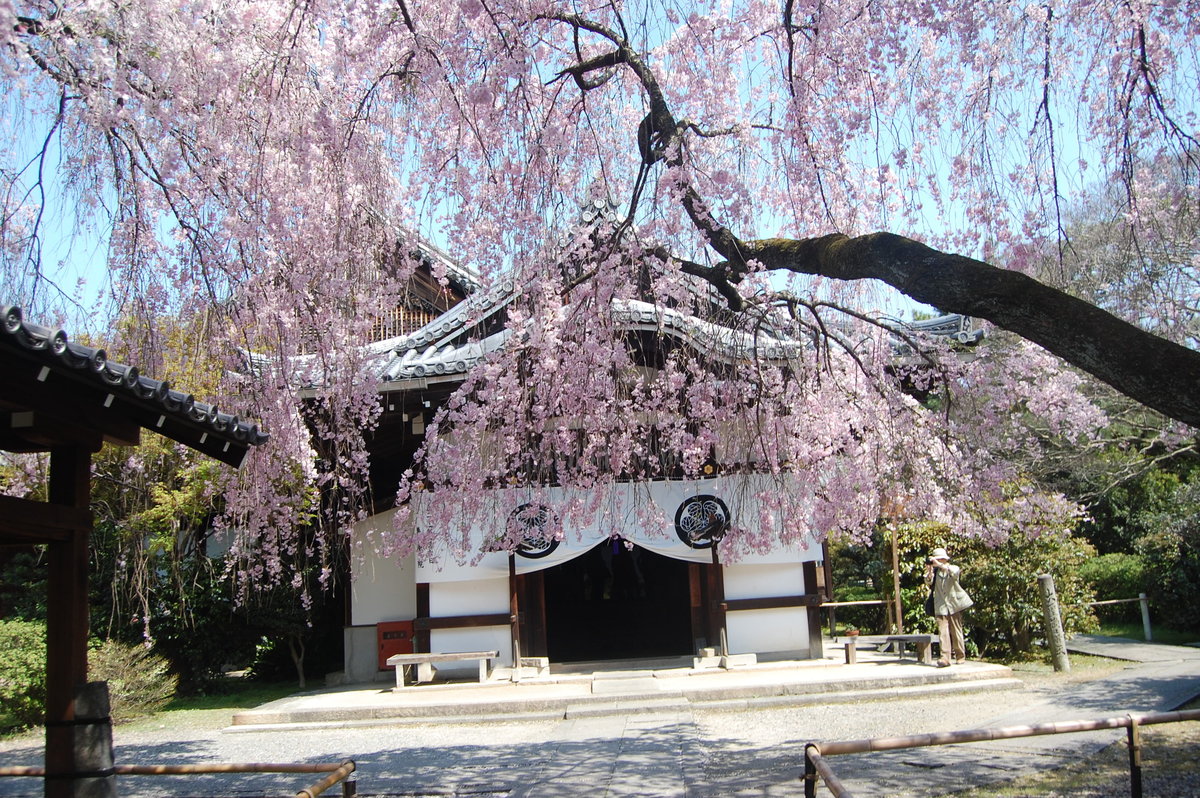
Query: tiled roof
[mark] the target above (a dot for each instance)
(442, 350)
(121, 389)
(438, 350)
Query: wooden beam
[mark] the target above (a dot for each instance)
(85, 406)
(39, 431)
(24, 521)
(772, 602)
(462, 621)
(82, 408)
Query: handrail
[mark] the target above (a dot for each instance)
(195, 769)
(223, 767)
(815, 764)
(338, 772)
(850, 603)
(1132, 722)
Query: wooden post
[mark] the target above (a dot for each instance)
(514, 609)
(1134, 733)
(899, 609)
(810, 772)
(422, 643)
(816, 644)
(718, 601)
(78, 762)
(1055, 637)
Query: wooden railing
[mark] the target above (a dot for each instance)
(817, 768)
(1142, 599)
(335, 773)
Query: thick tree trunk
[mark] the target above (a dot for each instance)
(1156, 372)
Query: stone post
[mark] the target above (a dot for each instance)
(1055, 637)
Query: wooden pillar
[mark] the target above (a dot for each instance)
(826, 590)
(78, 758)
(696, 591)
(514, 610)
(532, 598)
(421, 641)
(816, 647)
(899, 608)
(717, 619)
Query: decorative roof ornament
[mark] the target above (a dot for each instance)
(597, 220)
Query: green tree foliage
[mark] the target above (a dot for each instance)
(1172, 556)
(23, 584)
(1150, 522)
(22, 673)
(1124, 513)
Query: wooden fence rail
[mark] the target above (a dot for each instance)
(1131, 722)
(336, 772)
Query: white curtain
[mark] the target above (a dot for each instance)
(643, 514)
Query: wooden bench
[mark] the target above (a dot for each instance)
(424, 663)
(923, 644)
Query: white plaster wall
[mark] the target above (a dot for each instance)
(480, 597)
(477, 597)
(484, 638)
(382, 589)
(766, 631)
(759, 581)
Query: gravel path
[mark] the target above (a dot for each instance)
(695, 751)
(702, 752)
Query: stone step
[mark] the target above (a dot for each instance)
(615, 696)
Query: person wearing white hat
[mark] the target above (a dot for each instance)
(949, 601)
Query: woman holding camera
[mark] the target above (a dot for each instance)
(949, 601)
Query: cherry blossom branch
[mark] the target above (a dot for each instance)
(1093, 339)
(1156, 372)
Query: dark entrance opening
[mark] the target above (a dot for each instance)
(617, 603)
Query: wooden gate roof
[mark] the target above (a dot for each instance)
(54, 391)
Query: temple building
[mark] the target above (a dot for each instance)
(614, 588)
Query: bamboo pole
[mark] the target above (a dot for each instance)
(1005, 733)
(815, 764)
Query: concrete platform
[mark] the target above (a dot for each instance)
(630, 687)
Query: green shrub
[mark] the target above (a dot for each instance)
(1173, 561)
(22, 674)
(1116, 576)
(1007, 617)
(139, 682)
